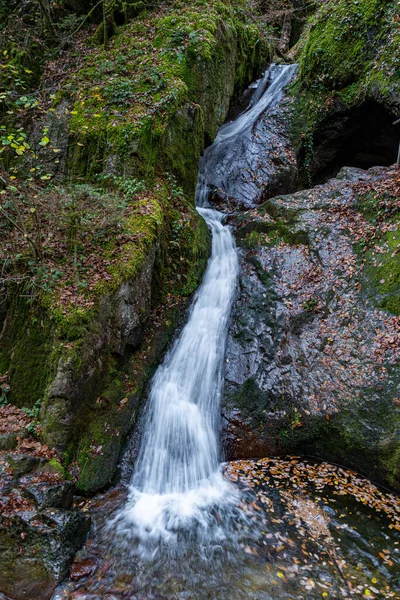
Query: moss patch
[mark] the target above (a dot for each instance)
(382, 272)
(155, 80)
(348, 55)
(28, 351)
(341, 42)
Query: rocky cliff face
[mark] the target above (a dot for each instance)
(312, 360)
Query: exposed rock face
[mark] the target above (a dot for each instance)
(253, 158)
(312, 351)
(39, 531)
(312, 363)
(120, 322)
(48, 541)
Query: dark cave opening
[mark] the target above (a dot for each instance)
(361, 137)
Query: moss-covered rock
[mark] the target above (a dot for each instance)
(139, 110)
(28, 350)
(37, 548)
(69, 354)
(341, 42)
(349, 75)
(150, 102)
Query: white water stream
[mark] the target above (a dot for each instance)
(177, 483)
(177, 472)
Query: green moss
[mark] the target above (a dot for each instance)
(99, 449)
(393, 468)
(55, 467)
(127, 99)
(280, 227)
(348, 54)
(340, 43)
(143, 108)
(382, 272)
(28, 351)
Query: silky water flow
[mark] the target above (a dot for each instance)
(177, 484)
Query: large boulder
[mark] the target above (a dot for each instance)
(312, 354)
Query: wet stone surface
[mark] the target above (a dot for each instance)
(257, 160)
(311, 362)
(39, 530)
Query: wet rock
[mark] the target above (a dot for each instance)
(9, 441)
(23, 463)
(7, 483)
(83, 568)
(37, 548)
(252, 158)
(46, 494)
(82, 595)
(311, 361)
(7, 480)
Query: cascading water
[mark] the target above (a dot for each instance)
(238, 163)
(177, 481)
(177, 472)
(186, 532)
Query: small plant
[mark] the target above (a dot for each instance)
(310, 304)
(119, 92)
(33, 412)
(296, 422)
(130, 187)
(31, 428)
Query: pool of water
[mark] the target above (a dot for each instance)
(302, 530)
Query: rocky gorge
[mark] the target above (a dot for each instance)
(312, 359)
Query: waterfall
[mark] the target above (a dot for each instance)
(177, 483)
(240, 150)
(177, 472)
